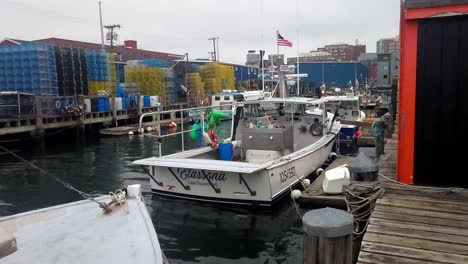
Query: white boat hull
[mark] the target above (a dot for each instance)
(262, 188)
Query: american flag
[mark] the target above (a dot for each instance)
(283, 42)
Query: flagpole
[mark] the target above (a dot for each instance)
(277, 45)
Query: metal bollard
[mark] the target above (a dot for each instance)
(328, 237)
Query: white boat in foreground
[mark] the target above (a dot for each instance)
(80, 233)
(275, 143)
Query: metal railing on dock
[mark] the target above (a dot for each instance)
(200, 112)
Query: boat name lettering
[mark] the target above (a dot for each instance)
(185, 174)
(287, 174)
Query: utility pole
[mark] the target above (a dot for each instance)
(111, 28)
(103, 48)
(217, 48)
(214, 46)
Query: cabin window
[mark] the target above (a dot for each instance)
(227, 98)
(217, 98)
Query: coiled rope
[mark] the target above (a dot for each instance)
(360, 200)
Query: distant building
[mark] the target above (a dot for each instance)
(370, 61)
(125, 53)
(344, 52)
(128, 52)
(312, 56)
(387, 68)
(253, 59)
(388, 45)
(333, 74)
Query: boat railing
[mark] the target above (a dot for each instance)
(202, 111)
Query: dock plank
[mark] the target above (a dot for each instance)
(418, 254)
(424, 205)
(419, 226)
(419, 234)
(426, 199)
(419, 212)
(426, 220)
(411, 242)
(373, 258)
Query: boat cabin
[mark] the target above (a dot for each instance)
(348, 106)
(224, 100)
(268, 129)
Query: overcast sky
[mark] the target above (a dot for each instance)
(179, 26)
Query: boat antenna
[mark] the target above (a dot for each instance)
(297, 45)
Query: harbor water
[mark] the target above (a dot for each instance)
(189, 232)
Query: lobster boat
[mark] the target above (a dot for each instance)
(274, 144)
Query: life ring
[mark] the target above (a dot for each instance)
(213, 137)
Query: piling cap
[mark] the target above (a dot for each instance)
(328, 222)
(362, 164)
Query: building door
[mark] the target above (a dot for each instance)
(442, 102)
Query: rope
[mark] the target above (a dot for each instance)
(65, 184)
(295, 205)
(119, 198)
(360, 201)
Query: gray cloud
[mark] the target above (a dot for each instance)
(180, 26)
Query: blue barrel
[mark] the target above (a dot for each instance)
(63, 103)
(146, 101)
(225, 151)
(119, 91)
(125, 102)
(101, 104)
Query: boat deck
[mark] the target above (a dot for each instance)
(80, 232)
(415, 225)
(203, 164)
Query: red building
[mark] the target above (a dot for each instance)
(344, 52)
(126, 52)
(433, 92)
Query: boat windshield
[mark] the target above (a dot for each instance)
(348, 105)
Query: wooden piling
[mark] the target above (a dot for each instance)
(328, 237)
(39, 122)
(140, 105)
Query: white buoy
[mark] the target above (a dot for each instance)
(306, 183)
(319, 171)
(296, 194)
(130, 133)
(149, 129)
(134, 191)
(141, 130)
(333, 156)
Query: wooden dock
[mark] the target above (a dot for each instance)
(123, 130)
(415, 225)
